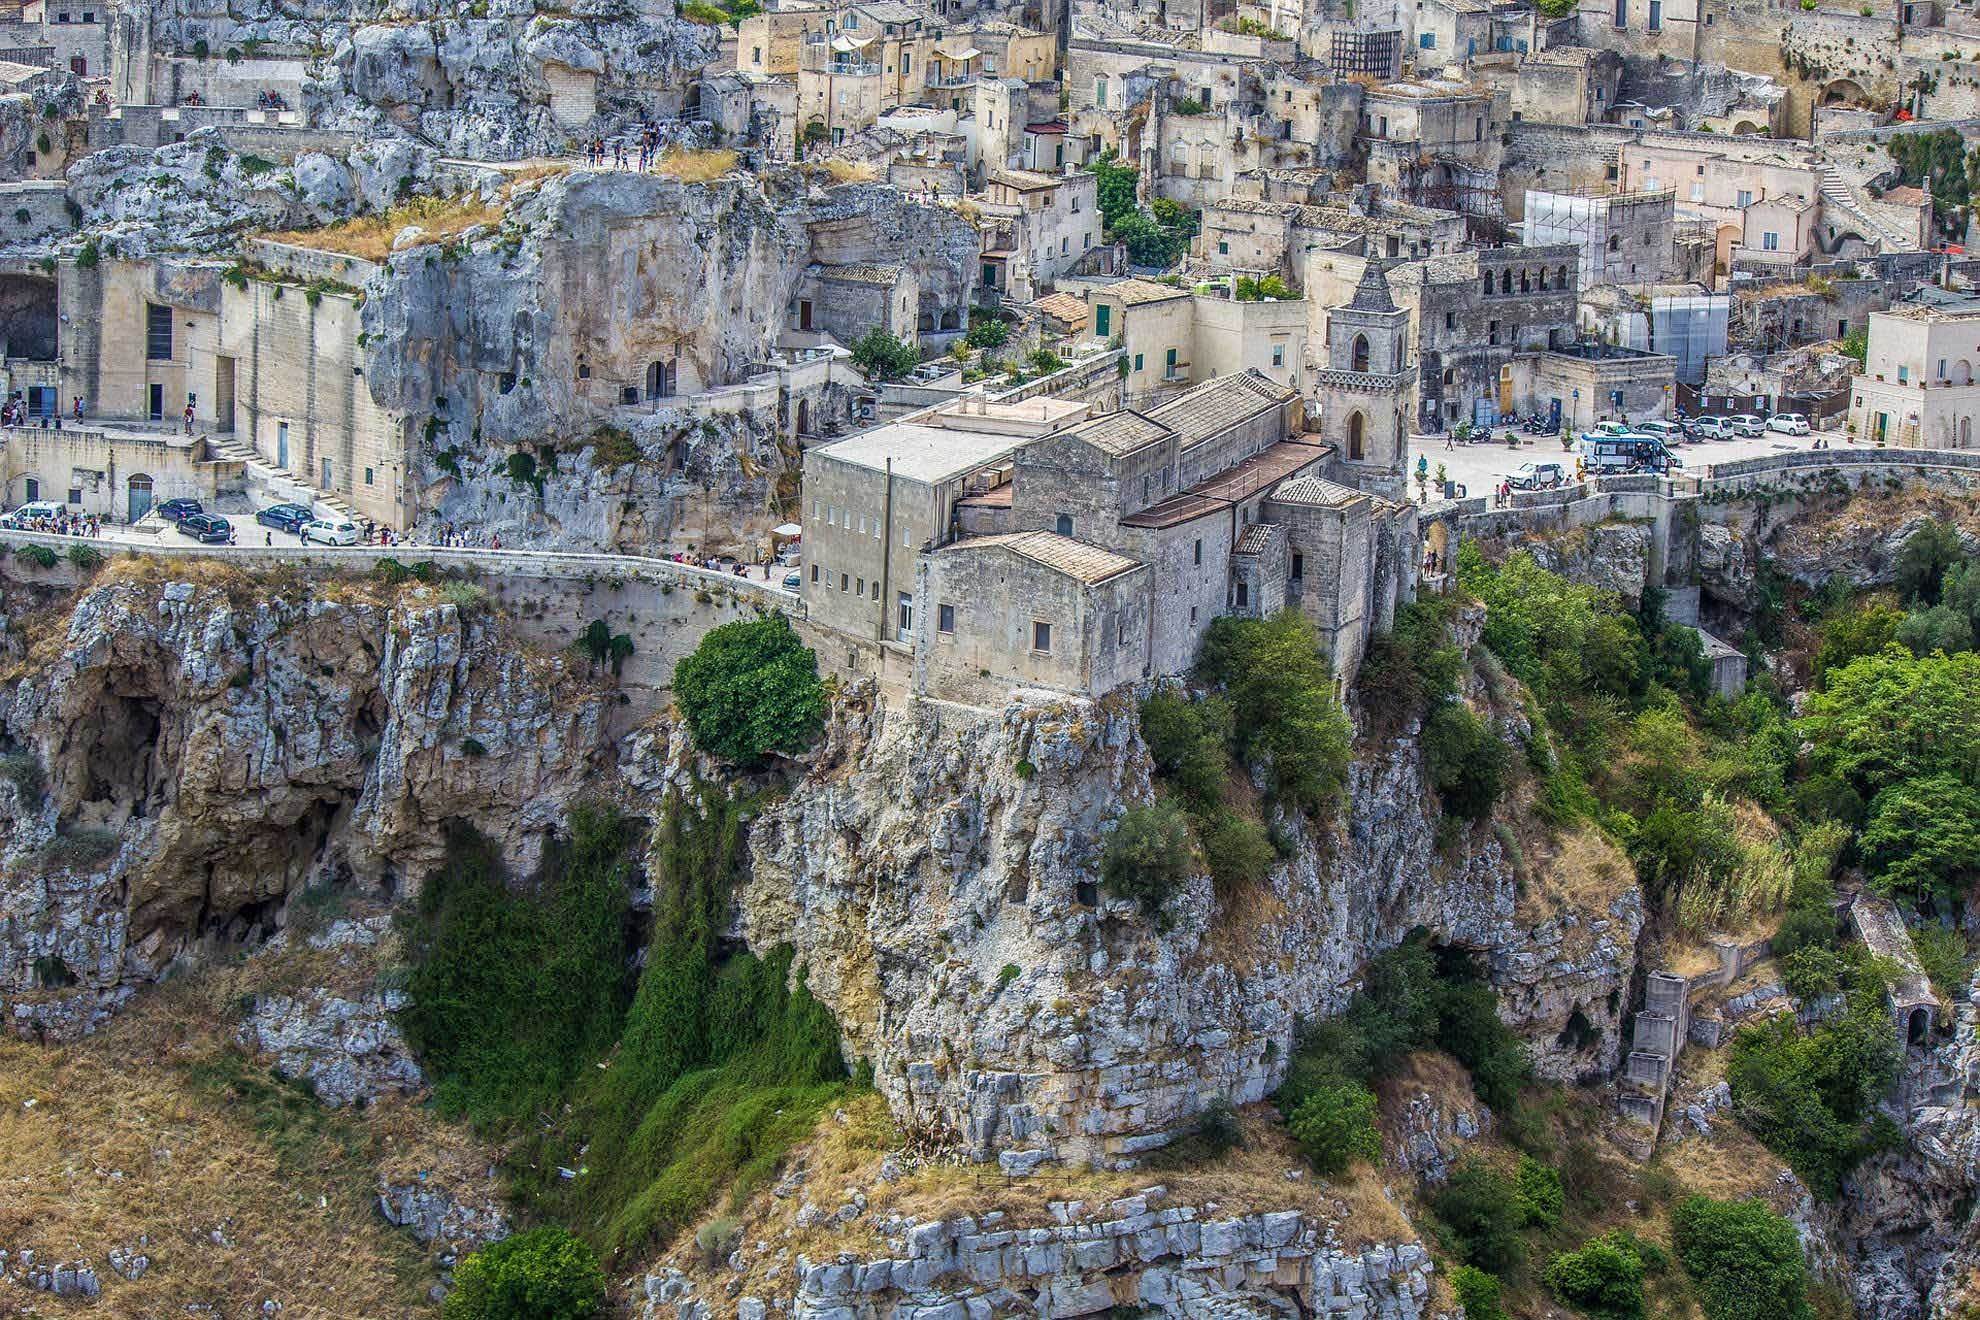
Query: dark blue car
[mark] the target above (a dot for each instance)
(174, 510)
(284, 517)
(207, 528)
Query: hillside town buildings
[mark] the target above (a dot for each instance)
(1178, 298)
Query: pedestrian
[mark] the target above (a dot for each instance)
(79, 407)
(268, 538)
(497, 541)
(189, 416)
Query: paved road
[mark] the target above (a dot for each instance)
(1479, 467)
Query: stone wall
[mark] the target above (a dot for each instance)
(1133, 1254)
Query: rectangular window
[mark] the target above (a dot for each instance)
(1492, 331)
(1426, 40)
(1656, 15)
(1770, 241)
(1278, 355)
(1137, 362)
(1103, 320)
(1622, 13)
(1223, 248)
(814, 572)
(876, 588)
(1169, 362)
(1904, 375)
(1744, 197)
(75, 495)
(945, 619)
(845, 582)
(1041, 637)
(157, 333)
(1942, 368)
(1199, 550)
(367, 477)
(859, 586)
(1243, 595)
(1298, 567)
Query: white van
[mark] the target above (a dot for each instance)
(36, 509)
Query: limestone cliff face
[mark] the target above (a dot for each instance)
(205, 756)
(937, 874)
(526, 337)
(475, 80)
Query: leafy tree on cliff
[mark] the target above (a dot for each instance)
(880, 356)
(751, 689)
(1745, 1260)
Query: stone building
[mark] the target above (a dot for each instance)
(1624, 238)
(1917, 387)
(1364, 390)
(1472, 312)
(1036, 227)
(1080, 552)
(1590, 383)
(1174, 337)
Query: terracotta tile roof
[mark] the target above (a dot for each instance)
(1063, 307)
(1316, 490)
(1218, 493)
(1133, 293)
(1255, 539)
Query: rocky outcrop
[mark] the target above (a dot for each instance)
(347, 1051)
(1905, 1220)
(1136, 1253)
(1609, 556)
(936, 873)
(206, 756)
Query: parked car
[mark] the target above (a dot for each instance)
(1639, 452)
(1538, 476)
(207, 528)
(793, 581)
(175, 510)
(1669, 432)
(1711, 428)
(331, 531)
(1747, 425)
(284, 517)
(1788, 424)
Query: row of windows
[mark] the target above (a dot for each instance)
(856, 586)
(1041, 630)
(835, 516)
(1503, 283)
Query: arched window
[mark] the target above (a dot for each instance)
(1505, 281)
(1355, 442)
(1543, 279)
(660, 378)
(1560, 277)
(1525, 282)
(1063, 525)
(1488, 283)
(1361, 352)
(1615, 244)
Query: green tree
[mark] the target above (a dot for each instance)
(1922, 842)
(1114, 187)
(1537, 1187)
(1927, 554)
(1940, 628)
(1477, 1291)
(881, 356)
(1465, 761)
(1852, 634)
(1335, 1126)
(1895, 716)
(1744, 1260)
(1479, 1209)
(1604, 1279)
(1281, 692)
(750, 690)
(540, 1274)
(1148, 856)
(1189, 742)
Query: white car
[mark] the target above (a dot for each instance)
(37, 509)
(1788, 424)
(1747, 425)
(1669, 432)
(330, 531)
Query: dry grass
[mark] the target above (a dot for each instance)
(847, 1150)
(1584, 874)
(370, 237)
(697, 166)
(849, 171)
(142, 1133)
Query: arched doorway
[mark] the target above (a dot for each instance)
(1437, 548)
(1918, 1025)
(804, 417)
(1843, 91)
(1360, 355)
(138, 496)
(660, 378)
(1356, 444)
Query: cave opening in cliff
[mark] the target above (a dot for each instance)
(117, 778)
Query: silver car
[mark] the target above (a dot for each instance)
(1747, 425)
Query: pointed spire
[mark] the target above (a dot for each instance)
(1372, 294)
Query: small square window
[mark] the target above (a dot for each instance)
(945, 618)
(1041, 637)
(75, 495)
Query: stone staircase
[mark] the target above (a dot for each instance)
(1839, 194)
(268, 484)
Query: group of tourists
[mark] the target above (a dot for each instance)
(644, 146)
(62, 523)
